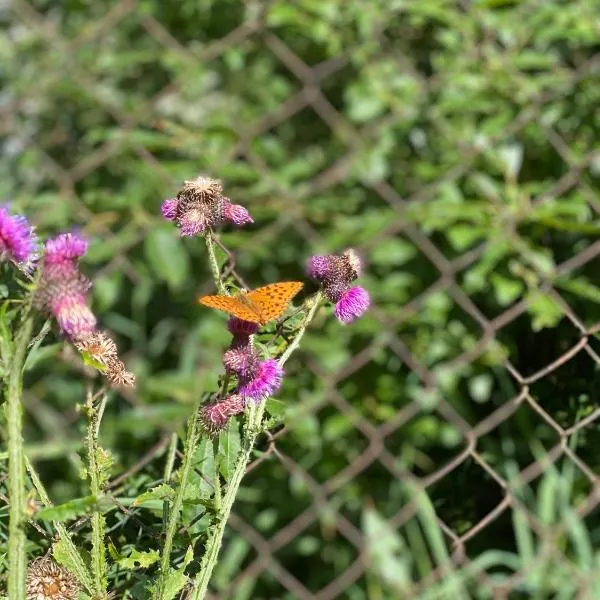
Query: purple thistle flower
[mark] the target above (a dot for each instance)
(194, 221)
(216, 415)
(17, 239)
(241, 360)
(169, 209)
(318, 267)
(239, 327)
(236, 214)
(65, 247)
(352, 304)
(335, 269)
(264, 383)
(336, 274)
(200, 205)
(74, 317)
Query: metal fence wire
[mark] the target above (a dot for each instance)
(532, 376)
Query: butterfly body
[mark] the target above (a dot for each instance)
(261, 305)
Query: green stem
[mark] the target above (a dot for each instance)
(252, 429)
(16, 465)
(76, 562)
(98, 521)
(214, 265)
(186, 468)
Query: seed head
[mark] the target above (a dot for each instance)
(103, 350)
(47, 580)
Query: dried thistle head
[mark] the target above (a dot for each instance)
(98, 346)
(202, 189)
(200, 205)
(47, 580)
(118, 375)
(103, 351)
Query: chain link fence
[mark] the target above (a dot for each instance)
(530, 375)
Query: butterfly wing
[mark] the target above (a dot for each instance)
(270, 301)
(233, 306)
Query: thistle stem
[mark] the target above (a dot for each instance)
(16, 465)
(75, 559)
(173, 519)
(252, 430)
(214, 265)
(98, 521)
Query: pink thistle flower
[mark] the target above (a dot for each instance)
(74, 317)
(216, 415)
(236, 214)
(18, 241)
(169, 209)
(263, 383)
(65, 247)
(241, 360)
(352, 304)
(63, 290)
(237, 327)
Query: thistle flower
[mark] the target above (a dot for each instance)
(73, 315)
(65, 247)
(263, 382)
(352, 303)
(47, 580)
(236, 213)
(62, 289)
(103, 350)
(18, 242)
(168, 209)
(216, 415)
(336, 273)
(200, 205)
(241, 360)
(239, 327)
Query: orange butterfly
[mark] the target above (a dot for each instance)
(260, 306)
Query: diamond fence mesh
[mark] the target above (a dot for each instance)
(454, 145)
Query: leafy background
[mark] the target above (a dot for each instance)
(454, 144)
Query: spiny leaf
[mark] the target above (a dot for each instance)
(160, 492)
(229, 448)
(74, 508)
(139, 559)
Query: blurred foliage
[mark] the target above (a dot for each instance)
(454, 144)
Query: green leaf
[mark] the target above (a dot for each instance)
(166, 255)
(160, 492)
(480, 387)
(389, 557)
(74, 508)
(229, 449)
(177, 578)
(392, 252)
(543, 309)
(506, 290)
(139, 560)
(66, 555)
(464, 236)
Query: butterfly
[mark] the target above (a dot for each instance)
(260, 306)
